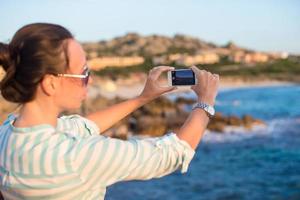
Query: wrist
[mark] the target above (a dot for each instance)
(210, 111)
(142, 100)
(207, 101)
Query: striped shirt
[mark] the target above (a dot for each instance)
(73, 161)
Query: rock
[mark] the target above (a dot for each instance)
(249, 121)
(153, 126)
(182, 100)
(121, 131)
(168, 112)
(109, 86)
(219, 122)
(161, 106)
(162, 115)
(217, 126)
(219, 118)
(234, 121)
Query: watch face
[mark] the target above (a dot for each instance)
(211, 110)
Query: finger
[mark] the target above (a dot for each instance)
(195, 69)
(162, 68)
(216, 76)
(159, 70)
(154, 69)
(201, 73)
(150, 71)
(169, 89)
(159, 67)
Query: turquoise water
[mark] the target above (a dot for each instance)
(260, 164)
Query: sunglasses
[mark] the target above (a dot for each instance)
(84, 76)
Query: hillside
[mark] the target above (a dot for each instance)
(133, 44)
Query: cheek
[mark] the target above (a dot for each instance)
(72, 87)
(71, 92)
(74, 92)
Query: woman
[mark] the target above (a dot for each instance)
(46, 156)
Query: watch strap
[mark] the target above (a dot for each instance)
(203, 106)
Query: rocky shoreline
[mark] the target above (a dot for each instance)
(153, 119)
(162, 116)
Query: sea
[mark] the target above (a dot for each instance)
(262, 163)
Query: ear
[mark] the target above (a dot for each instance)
(49, 84)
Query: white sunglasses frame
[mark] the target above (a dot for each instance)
(81, 76)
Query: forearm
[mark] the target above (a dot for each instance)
(194, 127)
(107, 117)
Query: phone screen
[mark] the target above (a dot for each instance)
(183, 77)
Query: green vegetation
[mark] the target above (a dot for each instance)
(285, 69)
(181, 50)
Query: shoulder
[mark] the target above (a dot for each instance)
(79, 122)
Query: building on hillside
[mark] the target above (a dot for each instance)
(187, 60)
(279, 55)
(102, 62)
(249, 57)
(203, 58)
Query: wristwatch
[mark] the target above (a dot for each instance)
(210, 111)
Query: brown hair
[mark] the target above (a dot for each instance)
(35, 50)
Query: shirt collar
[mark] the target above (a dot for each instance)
(12, 117)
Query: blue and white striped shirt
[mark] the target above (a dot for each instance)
(73, 161)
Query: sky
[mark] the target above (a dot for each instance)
(262, 25)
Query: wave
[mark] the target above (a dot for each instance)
(273, 128)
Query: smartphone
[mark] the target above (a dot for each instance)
(181, 77)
